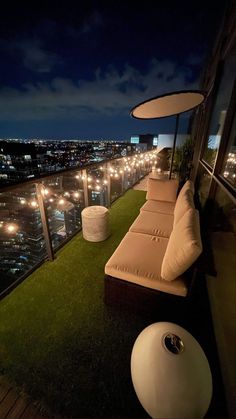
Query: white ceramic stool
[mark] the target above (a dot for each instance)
(170, 372)
(95, 223)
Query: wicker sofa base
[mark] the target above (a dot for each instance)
(122, 293)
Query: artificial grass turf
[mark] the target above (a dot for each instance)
(60, 342)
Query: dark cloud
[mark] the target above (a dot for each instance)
(32, 55)
(109, 93)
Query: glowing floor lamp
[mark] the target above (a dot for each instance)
(170, 373)
(170, 104)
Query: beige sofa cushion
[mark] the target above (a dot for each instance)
(189, 185)
(138, 259)
(162, 189)
(153, 223)
(162, 207)
(184, 246)
(183, 204)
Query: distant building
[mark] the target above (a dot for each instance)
(151, 140)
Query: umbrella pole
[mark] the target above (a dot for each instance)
(174, 142)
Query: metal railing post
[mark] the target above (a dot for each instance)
(108, 177)
(44, 218)
(85, 187)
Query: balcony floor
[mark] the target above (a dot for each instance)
(69, 351)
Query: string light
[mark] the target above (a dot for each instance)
(11, 228)
(61, 201)
(34, 204)
(45, 191)
(23, 201)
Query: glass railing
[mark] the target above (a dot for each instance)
(37, 217)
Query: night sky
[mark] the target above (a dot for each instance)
(75, 69)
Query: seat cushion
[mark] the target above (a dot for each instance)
(162, 189)
(162, 207)
(183, 204)
(184, 246)
(138, 259)
(153, 223)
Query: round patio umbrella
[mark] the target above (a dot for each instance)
(169, 104)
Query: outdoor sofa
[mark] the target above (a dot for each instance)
(158, 252)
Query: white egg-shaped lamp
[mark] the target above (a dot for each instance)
(170, 372)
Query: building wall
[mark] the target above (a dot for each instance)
(215, 174)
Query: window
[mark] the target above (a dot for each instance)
(220, 109)
(229, 166)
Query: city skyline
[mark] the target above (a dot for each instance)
(76, 71)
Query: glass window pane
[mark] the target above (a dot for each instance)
(229, 166)
(97, 185)
(22, 244)
(64, 201)
(220, 109)
(203, 184)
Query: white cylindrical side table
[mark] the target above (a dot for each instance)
(170, 372)
(95, 223)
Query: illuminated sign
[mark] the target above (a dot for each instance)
(134, 139)
(155, 141)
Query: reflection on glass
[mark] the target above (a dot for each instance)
(220, 109)
(22, 244)
(115, 171)
(97, 184)
(224, 214)
(229, 166)
(64, 201)
(203, 184)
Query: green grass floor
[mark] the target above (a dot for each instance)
(66, 349)
(60, 343)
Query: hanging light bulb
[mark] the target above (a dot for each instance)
(11, 228)
(45, 191)
(34, 204)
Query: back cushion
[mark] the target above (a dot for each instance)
(187, 185)
(184, 202)
(184, 246)
(162, 190)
